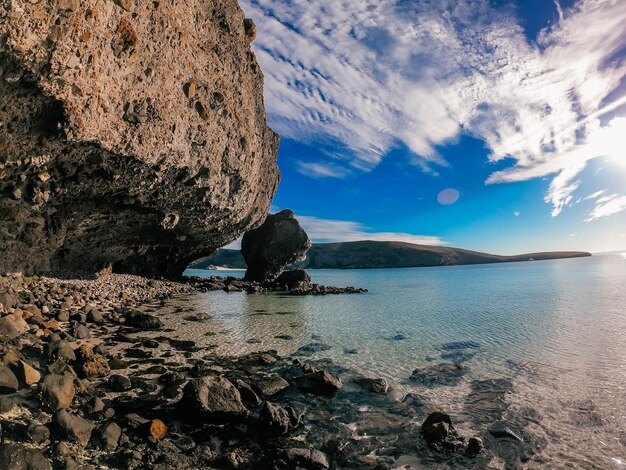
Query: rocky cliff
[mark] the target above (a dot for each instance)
(133, 134)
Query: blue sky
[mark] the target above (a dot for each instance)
(492, 125)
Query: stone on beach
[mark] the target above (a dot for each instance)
(8, 380)
(57, 391)
(212, 399)
(318, 383)
(73, 427)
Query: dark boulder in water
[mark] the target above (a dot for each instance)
(311, 348)
(275, 244)
(458, 356)
(277, 420)
(439, 432)
(293, 279)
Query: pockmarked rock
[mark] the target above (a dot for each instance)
(114, 162)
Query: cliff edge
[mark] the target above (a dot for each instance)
(133, 134)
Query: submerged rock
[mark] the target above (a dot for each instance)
(275, 244)
(446, 374)
(373, 385)
(277, 420)
(318, 383)
(138, 141)
(439, 432)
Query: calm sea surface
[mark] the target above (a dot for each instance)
(556, 330)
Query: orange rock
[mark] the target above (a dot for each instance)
(158, 429)
(52, 325)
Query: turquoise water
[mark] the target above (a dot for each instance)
(555, 329)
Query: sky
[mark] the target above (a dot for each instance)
(494, 125)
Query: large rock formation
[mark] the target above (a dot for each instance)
(132, 134)
(275, 244)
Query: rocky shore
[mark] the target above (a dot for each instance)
(91, 378)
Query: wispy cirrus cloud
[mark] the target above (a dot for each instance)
(329, 230)
(322, 230)
(372, 75)
(606, 206)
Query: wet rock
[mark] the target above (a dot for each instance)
(474, 446)
(17, 457)
(248, 396)
(110, 436)
(8, 381)
(446, 374)
(277, 420)
(297, 458)
(501, 429)
(120, 383)
(458, 356)
(57, 391)
(143, 321)
(439, 432)
(212, 399)
(184, 443)
(72, 427)
(293, 279)
(270, 386)
(318, 383)
(279, 241)
(373, 385)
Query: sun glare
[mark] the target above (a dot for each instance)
(610, 141)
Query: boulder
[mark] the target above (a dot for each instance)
(277, 420)
(72, 427)
(120, 383)
(293, 279)
(373, 385)
(439, 432)
(17, 457)
(275, 244)
(110, 436)
(57, 391)
(474, 446)
(139, 141)
(213, 399)
(270, 386)
(143, 321)
(318, 383)
(60, 350)
(13, 325)
(8, 380)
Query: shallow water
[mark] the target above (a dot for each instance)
(555, 329)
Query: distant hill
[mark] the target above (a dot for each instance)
(375, 254)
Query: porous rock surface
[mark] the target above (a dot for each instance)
(133, 134)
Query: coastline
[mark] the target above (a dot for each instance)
(136, 399)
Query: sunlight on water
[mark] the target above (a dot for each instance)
(554, 330)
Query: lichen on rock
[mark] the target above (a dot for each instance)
(133, 135)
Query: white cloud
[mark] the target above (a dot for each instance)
(606, 206)
(595, 195)
(319, 170)
(371, 75)
(329, 230)
(516, 213)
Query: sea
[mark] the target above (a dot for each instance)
(551, 333)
